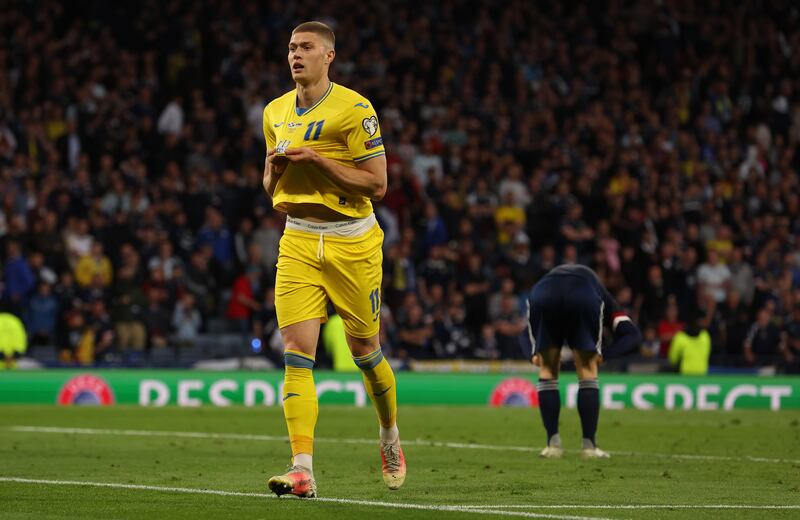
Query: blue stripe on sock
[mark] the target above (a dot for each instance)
(293, 360)
(369, 361)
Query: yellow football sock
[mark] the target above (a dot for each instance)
(300, 406)
(381, 386)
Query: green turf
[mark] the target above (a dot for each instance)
(437, 475)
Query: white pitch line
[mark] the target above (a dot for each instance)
(481, 510)
(417, 442)
(635, 506)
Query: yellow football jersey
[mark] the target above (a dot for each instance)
(341, 126)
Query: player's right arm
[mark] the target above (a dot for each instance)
(274, 165)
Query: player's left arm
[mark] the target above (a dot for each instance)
(626, 334)
(368, 178)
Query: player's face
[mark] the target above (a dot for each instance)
(309, 57)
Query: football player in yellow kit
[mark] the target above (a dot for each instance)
(325, 164)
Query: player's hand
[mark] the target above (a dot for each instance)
(302, 155)
(276, 164)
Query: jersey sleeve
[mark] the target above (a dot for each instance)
(363, 133)
(613, 312)
(269, 131)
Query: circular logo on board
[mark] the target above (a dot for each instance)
(86, 390)
(514, 391)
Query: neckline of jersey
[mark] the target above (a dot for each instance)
(315, 105)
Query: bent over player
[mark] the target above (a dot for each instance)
(569, 306)
(325, 163)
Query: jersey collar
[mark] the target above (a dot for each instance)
(303, 111)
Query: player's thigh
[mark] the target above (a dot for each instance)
(302, 336)
(587, 364)
(299, 292)
(546, 326)
(352, 272)
(549, 362)
(584, 330)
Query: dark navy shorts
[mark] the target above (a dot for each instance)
(565, 310)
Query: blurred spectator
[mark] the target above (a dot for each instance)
(575, 231)
(509, 324)
(415, 334)
(186, 320)
(651, 346)
(78, 240)
(265, 323)
(76, 343)
(166, 260)
(791, 340)
(509, 218)
(218, 237)
(334, 342)
(736, 324)
(41, 315)
(741, 276)
(690, 349)
(668, 326)
(654, 297)
(100, 323)
(128, 303)
(42, 273)
(714, 277)
(156, 318)
(243, 304)
(763, 342)
(92, 266)
(13, 340)
(266, 238)
(19, 279)
(475, 284)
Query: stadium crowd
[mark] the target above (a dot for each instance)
(657, 142)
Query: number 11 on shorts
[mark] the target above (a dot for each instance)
(375, 303)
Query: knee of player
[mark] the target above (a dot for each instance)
(363, 346)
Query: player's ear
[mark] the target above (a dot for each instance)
(330, 54)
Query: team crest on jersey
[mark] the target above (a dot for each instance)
(370, 125)
(282, 146)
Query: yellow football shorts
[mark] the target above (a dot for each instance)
(317, 266)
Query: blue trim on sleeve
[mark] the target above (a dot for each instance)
(369, 156)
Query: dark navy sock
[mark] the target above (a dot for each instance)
(589, 409)
(550, 408)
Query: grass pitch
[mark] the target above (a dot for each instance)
(156, 462)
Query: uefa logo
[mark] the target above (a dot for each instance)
(515, 391)
(86, 390)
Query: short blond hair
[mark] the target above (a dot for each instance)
(319, 28)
